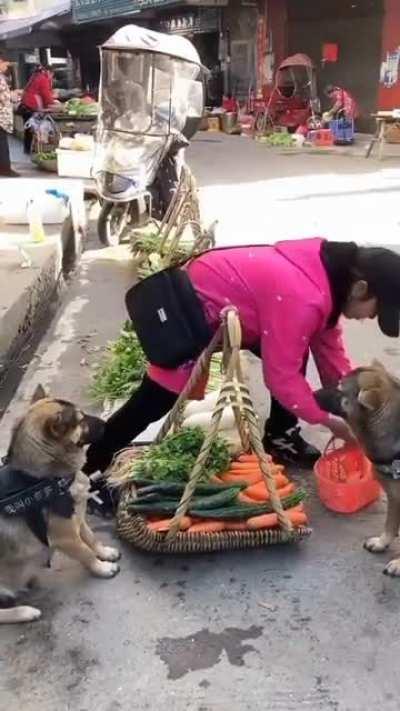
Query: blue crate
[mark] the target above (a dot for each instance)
(343, 131)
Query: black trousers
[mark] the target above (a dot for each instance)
(28, 133)
(5, 163)
(148, 404)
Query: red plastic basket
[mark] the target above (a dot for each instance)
(345, 479)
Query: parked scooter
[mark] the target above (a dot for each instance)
(151, 104)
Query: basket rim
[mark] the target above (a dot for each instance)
(222, 541)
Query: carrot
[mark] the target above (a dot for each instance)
(297, 518)
(236, 526)
(259, 491)
(164, 524)
(248, 478)
(208, 526)
(263, 521)
(249, 458)
(244, 466)
(243, 498)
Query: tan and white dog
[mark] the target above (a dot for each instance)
(369, 400)
(47, 447)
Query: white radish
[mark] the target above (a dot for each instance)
(203, 420)
(206, 405)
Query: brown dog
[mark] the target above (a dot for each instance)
(47, 496)
(369, 399)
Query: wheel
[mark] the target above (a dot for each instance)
(112, 223)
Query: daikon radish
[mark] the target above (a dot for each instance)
(197, 406)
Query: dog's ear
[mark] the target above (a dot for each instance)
(62, 422)
(370, 399)
(378, 365)
(39, 394)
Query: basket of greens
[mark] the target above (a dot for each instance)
(186, 493)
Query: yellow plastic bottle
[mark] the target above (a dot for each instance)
(36, 228)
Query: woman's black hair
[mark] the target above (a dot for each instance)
(341, 262)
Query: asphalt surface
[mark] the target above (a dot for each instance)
(314, 626)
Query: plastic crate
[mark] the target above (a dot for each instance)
(321, 138)
(343, 131)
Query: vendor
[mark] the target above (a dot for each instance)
(343, 104)
(290, 298)
(6, 121)
(37, 95)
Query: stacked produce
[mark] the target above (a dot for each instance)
(121, 369)
(280, 139)
(150, 254)
(124, 365)
(231, 495)
(81, 107)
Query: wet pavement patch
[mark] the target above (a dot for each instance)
(203, 649)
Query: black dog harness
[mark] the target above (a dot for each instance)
(30, 498)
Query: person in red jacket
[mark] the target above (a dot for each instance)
(37, 95)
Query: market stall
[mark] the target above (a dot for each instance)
(69, 127)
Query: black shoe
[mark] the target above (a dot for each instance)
(290, 448)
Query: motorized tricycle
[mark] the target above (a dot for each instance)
(293, 101)
(151, 104)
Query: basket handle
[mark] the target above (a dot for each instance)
(233, 392)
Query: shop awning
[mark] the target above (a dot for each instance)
(25, 25)
(92, 10)
(87, 10)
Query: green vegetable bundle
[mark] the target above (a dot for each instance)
(122, 368)
(173, 458)
(280, 139)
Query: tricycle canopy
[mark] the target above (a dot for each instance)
(151, 91)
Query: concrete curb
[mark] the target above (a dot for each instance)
(28, 296)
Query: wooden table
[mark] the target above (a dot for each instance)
(383, 119)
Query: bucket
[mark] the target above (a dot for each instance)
(345, 479)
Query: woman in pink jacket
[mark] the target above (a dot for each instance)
(290, 298)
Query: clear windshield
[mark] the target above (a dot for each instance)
(147, 93)
(145, 100)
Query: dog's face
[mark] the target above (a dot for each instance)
(61, 421)
(52, 426)
(369, 399)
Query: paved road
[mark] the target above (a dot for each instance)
(313, 627)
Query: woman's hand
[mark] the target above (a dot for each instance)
(340, 429)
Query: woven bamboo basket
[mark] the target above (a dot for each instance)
(234, 393)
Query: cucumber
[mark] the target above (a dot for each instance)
(179, 487)
(235, 511)
(155, 507)
(217, 500)
(245, 511)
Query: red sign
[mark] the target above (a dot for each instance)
(330, 52)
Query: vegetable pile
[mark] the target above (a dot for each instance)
(124, 365)
(236, 499)
(121, 370)
(280, 139)
(51, 155)
(148, 255)
(81, 107)
(174, 457)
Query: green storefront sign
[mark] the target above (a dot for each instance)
(89, 10)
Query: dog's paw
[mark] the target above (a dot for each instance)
(393, 568)
(108, 553)
(25, 613)
(376, 544)
(104, 569)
